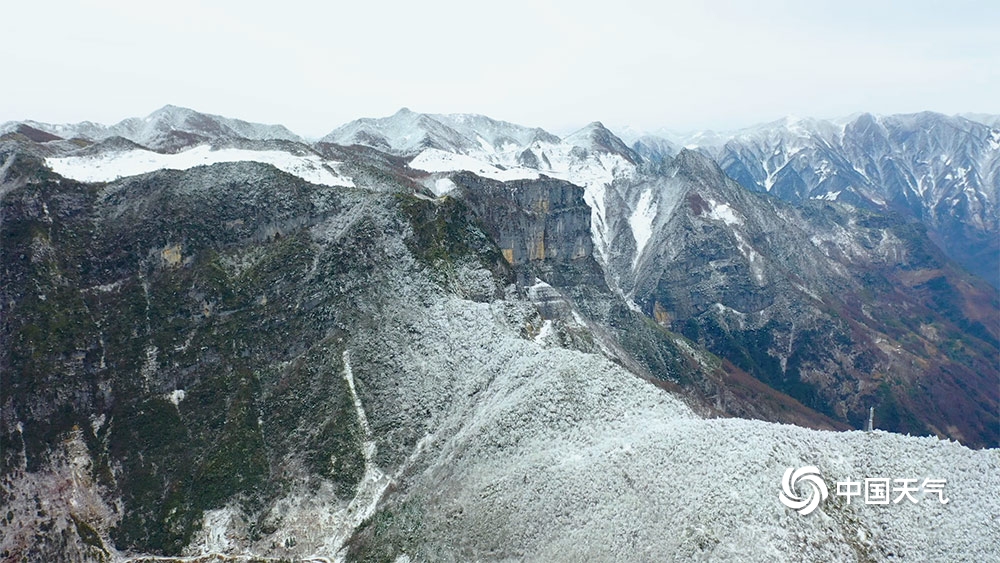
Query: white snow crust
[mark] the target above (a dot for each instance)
(828, 196)
(565, 456)
(442, 186)
(641, 222)
(436, 160)
(723, 212)
(110, 166)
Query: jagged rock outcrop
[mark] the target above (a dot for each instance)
(531, 220)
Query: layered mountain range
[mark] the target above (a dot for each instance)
(940, 170)
(804, 297)
(167, 129)
(447, 337)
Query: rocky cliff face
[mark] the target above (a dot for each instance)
(531, 220)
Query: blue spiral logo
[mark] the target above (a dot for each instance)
(789, 489)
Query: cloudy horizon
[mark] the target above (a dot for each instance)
(712, 66)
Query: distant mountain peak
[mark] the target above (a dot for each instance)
(696, 165)
(408, 133)
(172, 109)
(169, 128)
(595, 136)
(36, 135)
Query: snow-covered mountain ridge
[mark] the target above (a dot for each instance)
(109, 166)
(168, 128)
(943, 171)
(452, 338)
(663, 223)
(674, 241)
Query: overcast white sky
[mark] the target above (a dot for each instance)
(314, 65)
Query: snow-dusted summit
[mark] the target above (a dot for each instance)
(168, 128)
(408, 133)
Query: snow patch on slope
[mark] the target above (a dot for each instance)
(442, 186)
(436, 160)
(374, 482)
(641, 222)
(176, 396)
(218, 533)
(545, 332)
(110, 166)
(754, 259)
(828, 196)
(994, 140)
(723, 212)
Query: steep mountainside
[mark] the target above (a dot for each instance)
(798, 299)
(841, 307)
(491, 345)
(943, 171)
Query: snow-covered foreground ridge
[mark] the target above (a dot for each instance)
(548, 454)
(689, 489)
(570, 459)
(110, 166)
